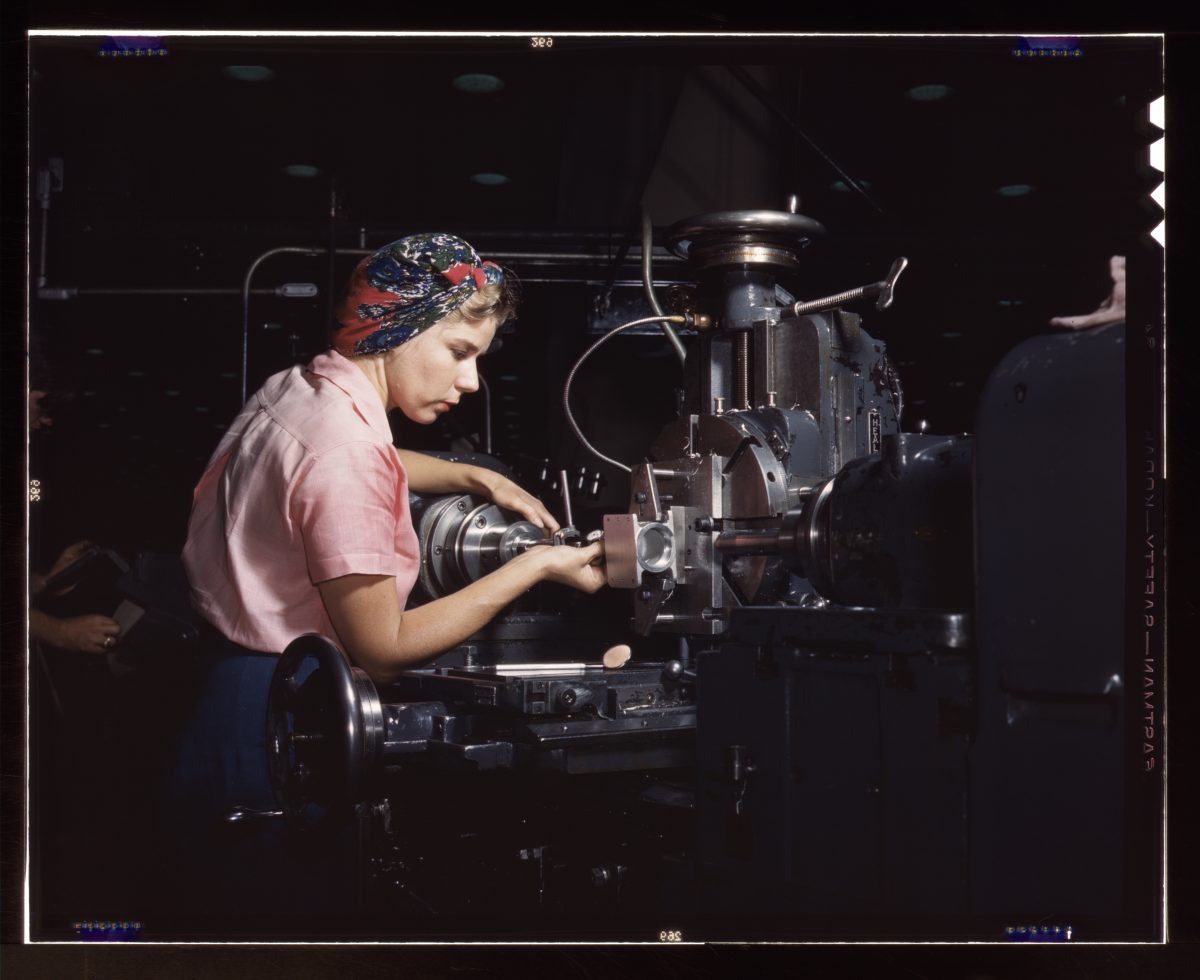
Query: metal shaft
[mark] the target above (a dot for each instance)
(749, 541)
(741, 375)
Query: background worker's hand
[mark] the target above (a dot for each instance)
(85, 634)
(1111, 310)
(70, 554)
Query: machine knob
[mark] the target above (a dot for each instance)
(570, 697)
(674, 672)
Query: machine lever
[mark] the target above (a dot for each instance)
(566, 498)
(883, 292)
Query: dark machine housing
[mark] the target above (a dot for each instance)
(859, 708)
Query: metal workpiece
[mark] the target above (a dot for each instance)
(632, 547)
(674, 599)
(639, 542)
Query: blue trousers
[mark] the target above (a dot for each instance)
(252, 878)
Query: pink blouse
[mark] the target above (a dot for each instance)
(304, 487)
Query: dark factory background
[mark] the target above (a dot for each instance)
(160, 180)
(1007, 180)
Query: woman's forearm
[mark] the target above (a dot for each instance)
(383, 640)
(428, 474)
(433, 628)
(45, 628)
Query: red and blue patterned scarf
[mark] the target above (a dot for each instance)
(407, 287)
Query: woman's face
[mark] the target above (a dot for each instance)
(428, 375)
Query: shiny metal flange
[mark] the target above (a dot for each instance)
(756, 237)
(462, 538)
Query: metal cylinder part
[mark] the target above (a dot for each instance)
(462, 538)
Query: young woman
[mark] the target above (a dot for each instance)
(301, 523)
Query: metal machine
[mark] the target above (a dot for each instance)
(800, 761)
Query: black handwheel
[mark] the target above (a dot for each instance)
(324, 733)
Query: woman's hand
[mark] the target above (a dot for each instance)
(504, 493)
(580, 568)
(384, 639)
(428, 474)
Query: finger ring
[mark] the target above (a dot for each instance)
(108, 642)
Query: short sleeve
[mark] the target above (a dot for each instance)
(347, 503)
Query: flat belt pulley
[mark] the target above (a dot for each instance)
(325, 733)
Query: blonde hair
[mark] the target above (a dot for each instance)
(498, 299)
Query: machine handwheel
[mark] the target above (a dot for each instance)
(324, 733)
(752, 237)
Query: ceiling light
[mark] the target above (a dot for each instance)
(842, 187)
(1014, 190)
(1010, 302)
(951, 335)
(248, 73)
(94, 350)
(301, 170)
(137, 374)
(489, 180)
(928, 93)
(478, 83)
(171, 393)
